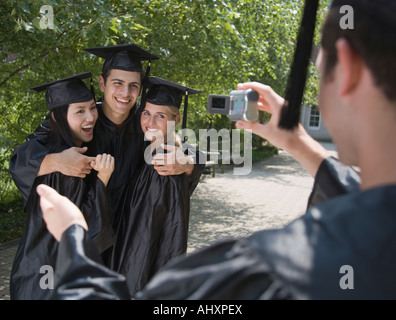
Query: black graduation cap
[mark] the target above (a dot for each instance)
(164, 92)
(65, 91)
(126, 57)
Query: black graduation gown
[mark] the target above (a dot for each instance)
(38, 248)
(304, 260)
(332, 180)
(26, 159)
(153, 227)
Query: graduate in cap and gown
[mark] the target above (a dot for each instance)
(153, 227)
(118, 129)
(73, 116)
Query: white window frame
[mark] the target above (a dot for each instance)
(314, 118)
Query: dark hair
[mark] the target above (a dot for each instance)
(373, 40)
(61, 135)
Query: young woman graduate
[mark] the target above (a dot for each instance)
(73, 116)
(153, 227)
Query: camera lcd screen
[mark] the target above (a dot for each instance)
(218, 103)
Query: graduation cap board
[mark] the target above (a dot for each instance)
(66, 91)
(127, 57)
(164, 92)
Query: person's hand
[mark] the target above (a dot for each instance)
(104, 164)
(73, 162)
(270, 102)
(174, 162)
(59, 213)
(297, 142)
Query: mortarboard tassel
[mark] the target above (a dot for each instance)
(143, 99)
(184, 124)
(290, 116)
(148, 69)
(144, 88)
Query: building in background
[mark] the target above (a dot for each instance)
(313, 124)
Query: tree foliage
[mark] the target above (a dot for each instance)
(210, 45)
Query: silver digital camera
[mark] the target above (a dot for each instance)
(238, 105)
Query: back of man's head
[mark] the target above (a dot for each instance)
(371, 32)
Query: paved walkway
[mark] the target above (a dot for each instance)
(273, 194)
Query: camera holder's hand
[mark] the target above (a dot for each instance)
(297, 142)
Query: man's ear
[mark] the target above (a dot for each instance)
(52, 116)
(350, 64)
(101, 84)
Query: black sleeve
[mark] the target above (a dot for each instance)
(80, 274)
(226, 270)
(333, 179)
(230, 269)
(26, 159)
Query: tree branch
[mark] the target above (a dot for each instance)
(24, 67)
(14, 73)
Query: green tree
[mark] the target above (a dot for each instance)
(209, 45)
